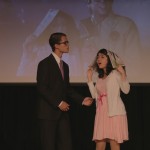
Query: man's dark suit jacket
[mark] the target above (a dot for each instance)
(52, 89)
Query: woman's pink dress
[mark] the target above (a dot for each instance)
(116, 127)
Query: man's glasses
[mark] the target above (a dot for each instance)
(65, 42)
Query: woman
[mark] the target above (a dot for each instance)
(110, 119)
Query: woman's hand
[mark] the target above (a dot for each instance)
(89, 73)
(121, 70)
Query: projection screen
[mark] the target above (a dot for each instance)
(25, 27)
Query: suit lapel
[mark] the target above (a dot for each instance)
(55, 66)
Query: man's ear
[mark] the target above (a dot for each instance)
(56, 46)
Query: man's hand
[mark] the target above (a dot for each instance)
(87, 101)
(64, 106)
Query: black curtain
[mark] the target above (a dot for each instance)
(19, 131)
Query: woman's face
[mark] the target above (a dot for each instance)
(102, 61)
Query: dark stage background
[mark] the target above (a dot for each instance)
(18, 122)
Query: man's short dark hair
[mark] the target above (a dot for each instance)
(55, 38)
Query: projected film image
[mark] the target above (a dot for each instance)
(117, 25)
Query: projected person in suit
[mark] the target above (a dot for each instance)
(35, 47)
(104, 28)
(54, 90)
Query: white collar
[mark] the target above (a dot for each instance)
(56, 57)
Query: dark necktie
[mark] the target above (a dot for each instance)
(61, 68)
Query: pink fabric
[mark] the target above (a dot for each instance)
(116, 127)
(101, 97)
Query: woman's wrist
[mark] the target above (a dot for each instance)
(89, 79)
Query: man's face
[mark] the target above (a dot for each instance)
(101, 7)
(63, 45)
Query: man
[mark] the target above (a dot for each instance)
(54, 90)
(105, 29)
